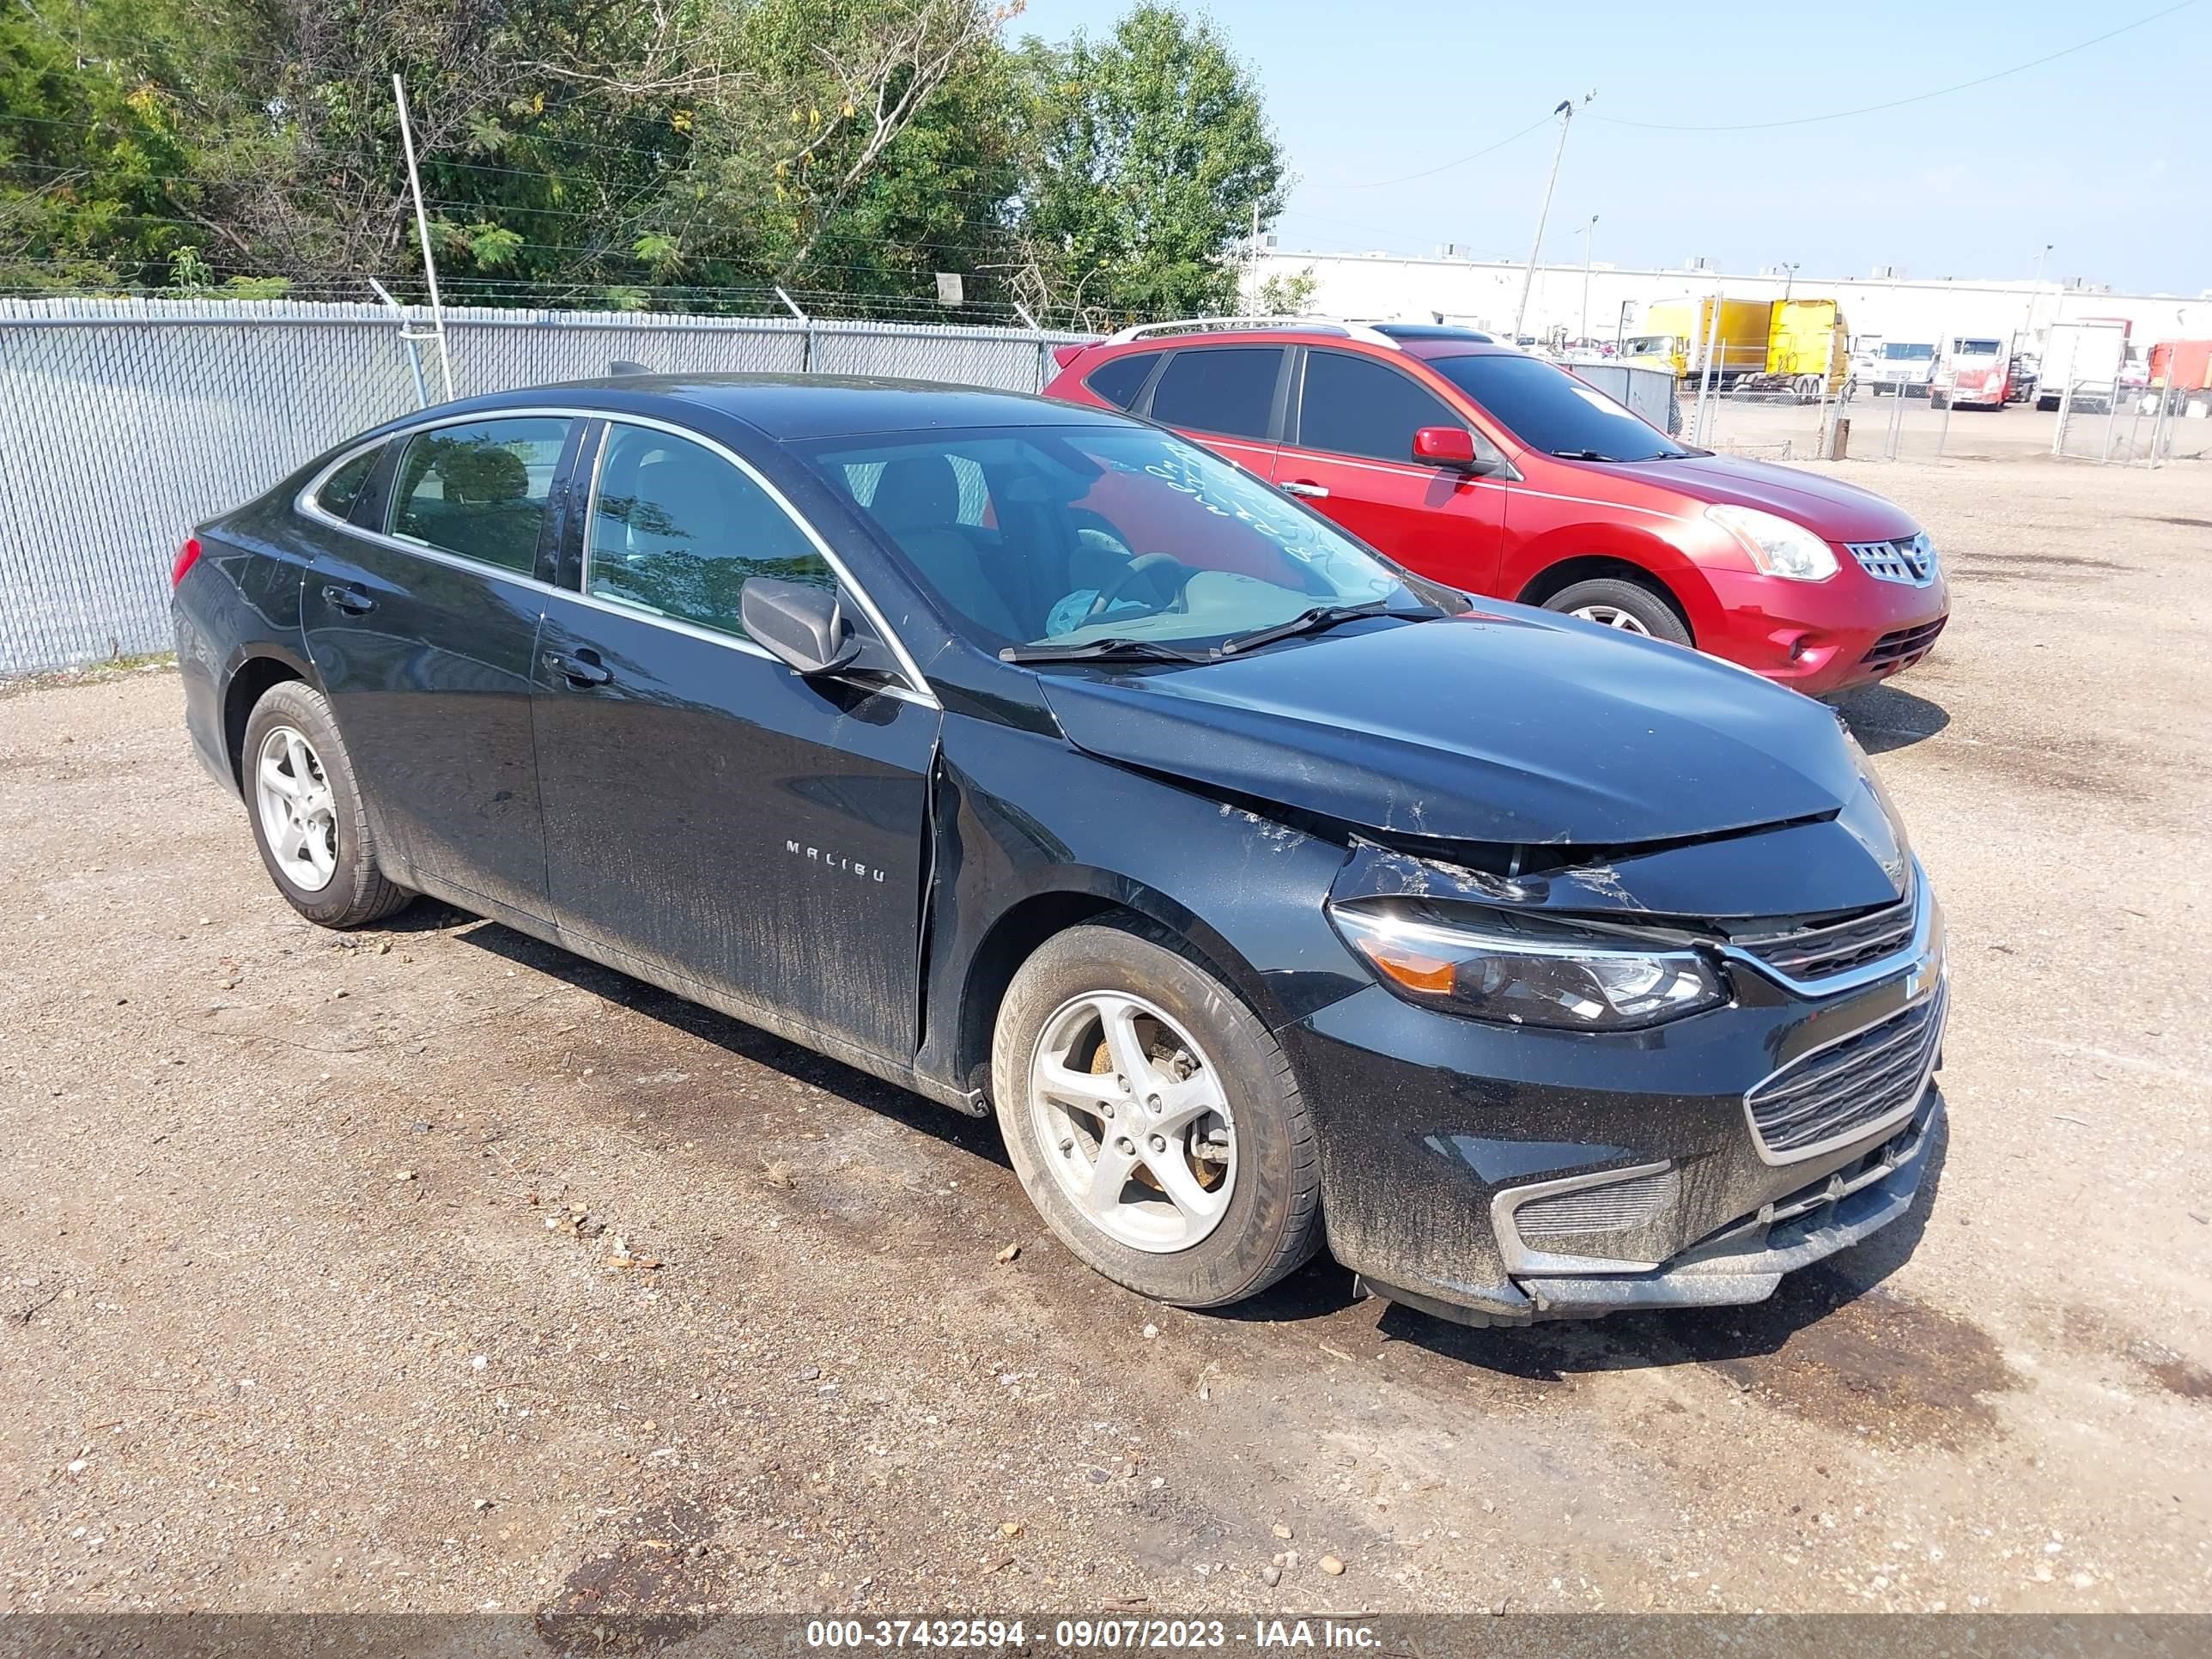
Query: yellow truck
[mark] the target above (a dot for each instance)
(1756, 345)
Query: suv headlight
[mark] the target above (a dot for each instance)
(1555, 978)
(1778, 546)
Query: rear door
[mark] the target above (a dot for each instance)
(421, 620)
(710, 814)
(1349, 452)
(1230, 399)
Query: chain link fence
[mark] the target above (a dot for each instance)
(123, 422)
(2095, 402)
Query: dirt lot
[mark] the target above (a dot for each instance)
(296, 1313)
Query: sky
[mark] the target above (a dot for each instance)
(2104, 154)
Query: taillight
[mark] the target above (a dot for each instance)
(187, 556)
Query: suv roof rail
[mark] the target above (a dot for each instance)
(1209, 325)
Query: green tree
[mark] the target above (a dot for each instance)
(1147, 155)
(85, 152)
(1288, 293)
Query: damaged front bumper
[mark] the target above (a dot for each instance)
(1501, 1174)
(1742, 1262)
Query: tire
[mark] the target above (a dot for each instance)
(355, 891)
(1611, 596)
(1270, 1222)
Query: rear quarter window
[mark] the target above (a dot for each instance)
(1120, 381)
(341, 491)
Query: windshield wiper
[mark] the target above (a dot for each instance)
(1132, 650)
(1320, 617)
(1584, 455)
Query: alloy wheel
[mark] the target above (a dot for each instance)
(1131, 1116)
(1611, 616)
(299, 815)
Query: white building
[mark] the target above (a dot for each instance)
(1486, 294)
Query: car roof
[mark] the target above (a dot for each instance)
(1409, 331)
(1460, 348)
(785, 407)
(1410, 343)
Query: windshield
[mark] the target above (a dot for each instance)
(1977, 347)
(1649, 345)
(1898, 351)
(1059, 536)
(1548, 409)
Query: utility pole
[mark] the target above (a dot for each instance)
(1252, 262)
(1566, 114)
(1582, 333)
(422, 226)
(2040, 258)
(1788, 280)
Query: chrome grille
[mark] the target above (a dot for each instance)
(1609, 1209)
(1910, 559)
(1832, 948)
(1849, 1087)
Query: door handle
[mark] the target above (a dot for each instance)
(351, 600)
(580, 670)
(1305, 487)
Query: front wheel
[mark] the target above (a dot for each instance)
(1152, 1119)
(1629, 607)
(307, 811)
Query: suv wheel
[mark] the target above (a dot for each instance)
(1614, 602)
(307, 811)
(1152, 1119)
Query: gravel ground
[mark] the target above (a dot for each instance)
(313, 1296)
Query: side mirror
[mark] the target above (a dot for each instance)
(1449, 446)
(802, 626)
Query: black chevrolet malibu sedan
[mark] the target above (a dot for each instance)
(1042, 762)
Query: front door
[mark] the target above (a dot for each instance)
(1351, 455)
(710, 814)
(423, 626)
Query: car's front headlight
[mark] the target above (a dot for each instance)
(1528, 974)
(1780, 547)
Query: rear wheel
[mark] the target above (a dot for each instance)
(1152, 1119)
(1614, 602)
(307, 811)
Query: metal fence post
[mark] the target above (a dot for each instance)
(408, 336)
(1705, 370)
(806, 333)
(2161, 432)
(1043, 348)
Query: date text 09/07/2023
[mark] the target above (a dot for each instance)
(1082, 1635)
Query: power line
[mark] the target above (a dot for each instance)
(1376, 184)
(1917, 98)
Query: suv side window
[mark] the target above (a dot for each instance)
(480, 489)
(341, 491)
(676, 530)
(1356, 406)
(1229, 389)
(1120, 381)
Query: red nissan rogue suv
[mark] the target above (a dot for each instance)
(1504, 475)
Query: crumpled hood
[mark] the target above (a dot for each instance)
(1835, 511)
(1506, 726)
